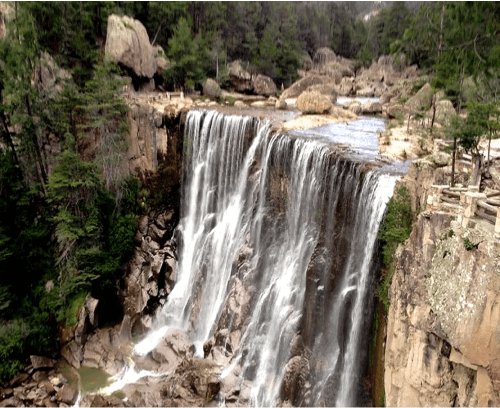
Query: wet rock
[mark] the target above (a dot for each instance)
(103, 351)
(313, 102)
(294, 379)
(67, 394)
(156, 234)
(172, 349)
(40, 376)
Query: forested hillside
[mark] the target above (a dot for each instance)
(68, 213)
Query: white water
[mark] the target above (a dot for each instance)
(292, 205)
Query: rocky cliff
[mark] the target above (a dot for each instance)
(443, 334)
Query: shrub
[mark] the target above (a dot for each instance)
(395, 229)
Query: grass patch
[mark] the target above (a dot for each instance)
(469, 245)
(72, 311)
(119, 394)
(92, 379)
(395, 229)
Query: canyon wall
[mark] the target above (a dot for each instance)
(443, 334)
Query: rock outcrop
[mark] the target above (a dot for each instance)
(127, 44)
(443, 342)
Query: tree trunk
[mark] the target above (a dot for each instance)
(489, 146)
(475, 178)
(34, 140)
(453, 154)
(433, 111)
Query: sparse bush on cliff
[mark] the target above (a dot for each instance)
(395, 229)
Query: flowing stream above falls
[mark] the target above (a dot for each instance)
(275, 255)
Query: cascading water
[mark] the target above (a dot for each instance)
(290, 227)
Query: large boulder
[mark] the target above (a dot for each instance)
(173, 348)
(313, 102)
(302, 84)
(444, 111)
(264, 85)
(421, 100)
(127, 43)
(239, 78)
(211, 88)
(329, 90)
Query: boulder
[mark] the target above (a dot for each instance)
(239, 78)
(366, 92)
(240, 104)
(303, 84)
(172, 349)
(444, 111)
(67, 394)
(356, 108)
(281, 105)
(264, 85)
(329, 90)
(211, 88)
(313, 102)
(127, 44)
(40, 362)
(371, 107)
(394, 110)
(421, 100)
(346, 87)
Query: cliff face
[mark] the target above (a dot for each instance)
(443, 335)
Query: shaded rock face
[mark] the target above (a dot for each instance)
(127, 43)
(442, 337)
(151, 271)
(313, 102)
(240, 78)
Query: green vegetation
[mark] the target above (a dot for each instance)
(395, 229)
(469, 245)
(92, 379)
(67, 221)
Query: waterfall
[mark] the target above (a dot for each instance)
(289, 226)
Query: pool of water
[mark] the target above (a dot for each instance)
(361, 136)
